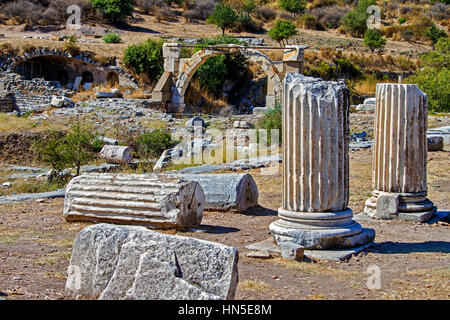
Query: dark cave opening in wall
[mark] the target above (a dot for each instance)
(47, 68)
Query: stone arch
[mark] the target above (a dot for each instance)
(189, 66)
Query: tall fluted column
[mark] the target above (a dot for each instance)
(315, 167)
(400, 154)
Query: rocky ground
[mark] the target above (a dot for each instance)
(36, 242)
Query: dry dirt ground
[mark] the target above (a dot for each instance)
(36, 242)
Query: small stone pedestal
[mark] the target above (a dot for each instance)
(400, 154)
(315, 167)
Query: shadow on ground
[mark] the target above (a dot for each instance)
(404, 247)
(259, 211)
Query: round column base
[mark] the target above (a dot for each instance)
(411, 206)
(320, 230)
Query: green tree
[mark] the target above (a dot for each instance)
(293, 6)
(146, 58)
(434, 76)
(434, 34)
(78, 146)
(373, 39)
(216, 70)
(355, 21)
(224, 17)
(282, 31)
(114, 10)
(50, 150)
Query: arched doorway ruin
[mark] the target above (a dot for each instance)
(172, 85)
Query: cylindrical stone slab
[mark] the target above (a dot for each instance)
(116, 154)
(150, 200)
(314, 213)
(400, 151)
(226, 191)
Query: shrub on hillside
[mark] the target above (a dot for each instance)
(224, 17)
(71, 47)
(112, 37)
(150, 145)
(434, 76)
(265, 13)
(282, 31)
(374, 40)
(114, 10)
(310, 22)
(146, 59)
(199, 10)
(293, 6)
(355, 21)
(330, 17)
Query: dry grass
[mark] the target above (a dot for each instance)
(254, 285)
(13, 123)
(317, 269)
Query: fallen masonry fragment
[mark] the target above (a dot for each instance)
(226, 191)
(111, 262)
(116, 154)
(154, 201)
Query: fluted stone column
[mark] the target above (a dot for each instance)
(315, 167)
(400, 154)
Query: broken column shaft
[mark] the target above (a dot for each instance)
(400, 154)
(149, 200)
(314, 213)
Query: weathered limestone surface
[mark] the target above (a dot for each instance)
(128, 262)
(116, 154)
(400, 151)
(226, 191)
(150, 200)
(315, 167)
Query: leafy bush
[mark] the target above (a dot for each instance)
(434, 34)
(114, 10)
(224, 17)
(146, 58)
(150, 145)
(112, 38)
(282, 31)
(355, 21)
(74, 149)
(373, 40)
(402, 20)
(217, 69)
(272, 120)
(434, 77)
(71, 47)
(308, 21)
(293, 6)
